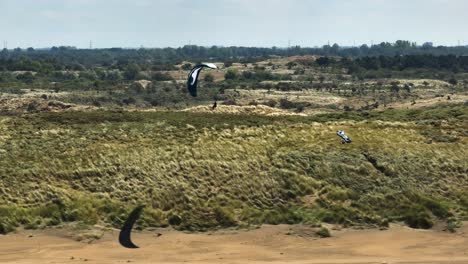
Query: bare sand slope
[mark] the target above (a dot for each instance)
(247, 109)
(269, 244)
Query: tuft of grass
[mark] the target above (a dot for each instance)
(323, 232)
(418, 219)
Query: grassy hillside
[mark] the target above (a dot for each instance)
(197, 171)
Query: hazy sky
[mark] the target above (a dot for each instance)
(163, 23)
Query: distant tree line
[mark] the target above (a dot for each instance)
(444, 62)
(68, 68)
(69, 58)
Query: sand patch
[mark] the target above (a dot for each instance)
(269, 244)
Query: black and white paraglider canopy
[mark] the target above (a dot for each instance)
(192, 80)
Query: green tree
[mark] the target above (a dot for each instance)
(209, 78)
(137, 88)
(131, 71)
(395, 88)
(323, 61)
(26, 77)
(160, 76)
(291, 64)
(187, 67)
(407, 88)
(321, 78)
(113, 75)
(453, 81)
(231, 74)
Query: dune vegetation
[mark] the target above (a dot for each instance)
(198, 171)
(87, 135)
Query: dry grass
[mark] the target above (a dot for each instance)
(243, 110)
(216, 170)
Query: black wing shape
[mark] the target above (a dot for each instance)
(125, 232)
(192, 79)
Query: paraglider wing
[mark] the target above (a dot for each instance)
(193, 77)
(125, 232)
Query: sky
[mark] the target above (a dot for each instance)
(261, 23)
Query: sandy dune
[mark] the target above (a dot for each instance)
(248, 109)
(269, 244)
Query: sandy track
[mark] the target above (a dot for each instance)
(270, 244)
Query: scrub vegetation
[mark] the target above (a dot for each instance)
(87, 135)
(197, 171)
